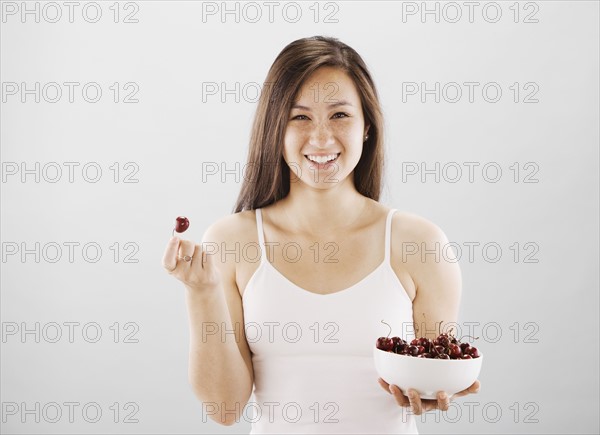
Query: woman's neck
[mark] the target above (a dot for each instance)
(320, 211)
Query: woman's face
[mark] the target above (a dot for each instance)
(326, 120)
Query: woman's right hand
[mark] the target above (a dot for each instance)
(199, 274)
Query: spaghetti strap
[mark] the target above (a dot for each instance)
(388, 236)
(261, 236)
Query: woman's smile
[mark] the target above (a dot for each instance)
(322, 161)
(321, 126)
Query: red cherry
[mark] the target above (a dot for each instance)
(439, 349)
(422, 341)
(455, 351)
(413, 350)
(474, 352)
(444, 346)
(399, 348)
(443, 340)
(384, 343)
(181, 224)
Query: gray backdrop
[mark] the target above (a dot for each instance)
(115, 116)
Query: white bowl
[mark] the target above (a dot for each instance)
(427, 376)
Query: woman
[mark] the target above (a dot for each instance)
(295, 324)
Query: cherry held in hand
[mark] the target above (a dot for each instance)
(181, 224)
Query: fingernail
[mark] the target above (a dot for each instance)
(391, 391)
(443, 396)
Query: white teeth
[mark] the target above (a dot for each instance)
(321, 159)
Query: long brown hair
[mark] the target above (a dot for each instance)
(267, 175)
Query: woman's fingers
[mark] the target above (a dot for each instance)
(203, 256)
(191, 264)
(443, 401)
(169, 260)
(474, 388)
(401, 399)
(186, 249)
(384, 385)
(415, 402)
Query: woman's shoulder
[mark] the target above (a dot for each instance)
(413, 223)
(409, 226)
(234, 227)
(405, 224)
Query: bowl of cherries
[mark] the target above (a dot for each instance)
(428, 366)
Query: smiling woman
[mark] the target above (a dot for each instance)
(339, 99)
(296, 330)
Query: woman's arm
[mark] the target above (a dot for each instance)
(220, 370)
(422, 249)
(437, 277)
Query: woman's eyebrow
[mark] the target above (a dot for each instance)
(336, 104)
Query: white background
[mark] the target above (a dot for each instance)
(170, 54)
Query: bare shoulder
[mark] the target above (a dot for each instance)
(229, 234)
(419, 248)
(411, 227)
(231, 228)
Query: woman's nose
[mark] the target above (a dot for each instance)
(321, 136)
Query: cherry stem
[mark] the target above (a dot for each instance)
(474, 338)
(388, 327)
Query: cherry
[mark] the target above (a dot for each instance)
(443, 340)
(384, 343)
(398, 348)
(439, 349)
(444, 346)
(413, 350)
(455, 351)
(422, 341)
(474, 352)
(181, 224)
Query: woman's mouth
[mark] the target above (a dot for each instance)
(322, 161)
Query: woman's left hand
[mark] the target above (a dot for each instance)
(419, 406)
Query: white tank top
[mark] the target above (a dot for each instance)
(313, 353)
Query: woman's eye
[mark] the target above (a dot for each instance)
(341, 113)
(300, 117)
